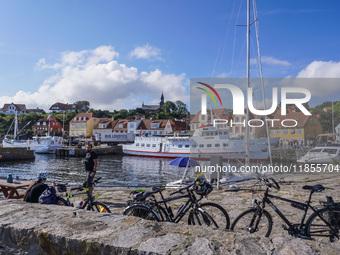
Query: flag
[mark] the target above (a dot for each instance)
(140, 132)
(49, 117)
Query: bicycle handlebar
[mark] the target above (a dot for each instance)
(181, 189)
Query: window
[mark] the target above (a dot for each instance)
(180, 146)
(300, 131)
(193, 146)
(83, 125)
(278, 131)
(272, 131)
(225, 145)
(73, 125)
(155, 125)
(285, 131)
(142, 145)
(187, 146)
(217, 145)
(292, 131)
(137, 144)
(154, 145)
(209, 145)
(148, 145)
(120, 125)
(77, 125)
(201, 145)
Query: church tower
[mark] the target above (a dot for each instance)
(162, 101)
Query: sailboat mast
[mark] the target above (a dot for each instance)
(247, 136)
(15, 125)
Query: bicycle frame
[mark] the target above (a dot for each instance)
(88, 200)
(182, 210)
(306, 206)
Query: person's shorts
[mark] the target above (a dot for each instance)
(89, 179)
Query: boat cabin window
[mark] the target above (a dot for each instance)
(217, 145)
(201, 145)
(330, 151)
(137, 144)
(142, 145)
(209, 145)
(187, 146)
(225, 145)
(148, 145)
(180, 146)
(194, 145)
(154, 145)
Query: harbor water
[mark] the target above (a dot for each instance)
(115, 170)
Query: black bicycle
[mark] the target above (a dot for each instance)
(89, 203)
(322, 224)
(146, 206)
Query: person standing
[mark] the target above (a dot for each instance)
(91, 163)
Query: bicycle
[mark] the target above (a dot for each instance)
(89, 203)
(146, 206)
(322, 223)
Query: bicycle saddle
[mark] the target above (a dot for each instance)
(315, 188)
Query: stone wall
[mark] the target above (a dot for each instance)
(49, 229)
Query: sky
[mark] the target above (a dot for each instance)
(119, 54)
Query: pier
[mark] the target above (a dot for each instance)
(81, 152)
(15, 154)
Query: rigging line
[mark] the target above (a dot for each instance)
(243, 46)
(232, 58)
(262, 81)
(227, 35)
(256, 58)
(223, 47)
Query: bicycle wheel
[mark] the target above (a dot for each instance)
(251, 221)
(324, 225)
(200, 217)
(99, 207)
(218, 213)
(141, 211)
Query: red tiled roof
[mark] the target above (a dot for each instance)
(87, 115)
(298, 116)
(217, 112)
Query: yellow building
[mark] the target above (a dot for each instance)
(308, 127)
(82, 125)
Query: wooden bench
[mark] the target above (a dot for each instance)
(10, 190)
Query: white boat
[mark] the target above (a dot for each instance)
(328, 154)
(14, 143)
(45, 144)
(206, 141)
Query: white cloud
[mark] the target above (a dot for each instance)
(321, 69)
(270, 61)
(146, 52)
(322, 72)
(96, 76)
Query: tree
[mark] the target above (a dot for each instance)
(182, 110)
(169, 109)
(83, 102)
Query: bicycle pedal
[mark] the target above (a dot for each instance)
(304, 237)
